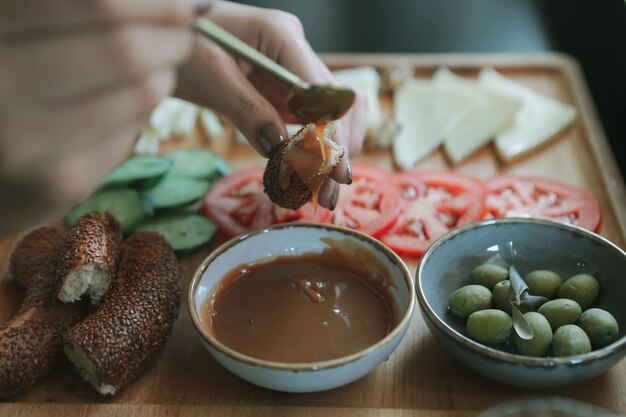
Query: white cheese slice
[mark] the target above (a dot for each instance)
(211, 125)
(539, 119)
(367, 80)
(426, 114)
(492, 111)
(163, 116)
(148, 142)
(185, 120)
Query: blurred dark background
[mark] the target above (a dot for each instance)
(591, 31)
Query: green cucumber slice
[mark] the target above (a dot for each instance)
(183, 231)
(125, 204)
(198, 163)
(137, 168)
(175, 191)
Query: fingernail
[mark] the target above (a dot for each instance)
(201, 6)
(334, 197)
(268, 137)
(348, 171)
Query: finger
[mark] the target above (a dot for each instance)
(93, 162)
(31, 137)
(56, 187)
(28, 16)
(276, 34)
(280, 37)
(231, 93)
(62, 68)
(329, 194)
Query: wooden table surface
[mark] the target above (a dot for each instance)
(420, 378)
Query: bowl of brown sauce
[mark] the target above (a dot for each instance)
(301, 307)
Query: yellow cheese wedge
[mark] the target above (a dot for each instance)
(539, 119)
(492, 111)
(426, 114)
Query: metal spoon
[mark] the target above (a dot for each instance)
(310, 103)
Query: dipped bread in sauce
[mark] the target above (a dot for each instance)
(307, 159)
(306, 308)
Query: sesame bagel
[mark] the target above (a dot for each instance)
(292, 192)
(90, 257)
(113, 345)
(31, 343)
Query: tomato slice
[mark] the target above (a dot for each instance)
(371, 204)
(238, 205)
(433, 203)
(514, 196)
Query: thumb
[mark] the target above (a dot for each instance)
(212, 78)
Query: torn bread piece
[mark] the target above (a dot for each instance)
(89, 258)
(113, 345)
(31, 343)
(304, 168)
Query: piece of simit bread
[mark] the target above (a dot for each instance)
(131, 325)
(294, 193)
(32, 342)
(90, 257)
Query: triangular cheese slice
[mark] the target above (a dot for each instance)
(490, 114)
(426, 114)
(538, 120)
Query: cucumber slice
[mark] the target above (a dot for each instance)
(174, 191)
(183, 231)
(198, 163)
(136, 168)
(125, 204)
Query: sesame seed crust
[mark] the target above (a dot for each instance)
(31, 343)
(132, 323)
(92, 242)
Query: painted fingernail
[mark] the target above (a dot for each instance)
(334, 197)
(201, 6)
(268, 137)
(348, 172)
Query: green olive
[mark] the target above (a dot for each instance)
(582, 288)
(570, 340)
(600, 326)
(560, 312)
(503, 294)
(469, 299)
(543, 282)
(488, 275)
(492, 327)
(542, 336)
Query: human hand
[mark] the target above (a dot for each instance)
(254, 101)
(77, 81)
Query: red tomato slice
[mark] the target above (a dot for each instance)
(513, 196)
(371, 204)
(434, 202)
(238, 205)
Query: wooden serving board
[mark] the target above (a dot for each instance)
(420, 378)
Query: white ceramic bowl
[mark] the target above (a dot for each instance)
(291, 240)
(539, 244)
